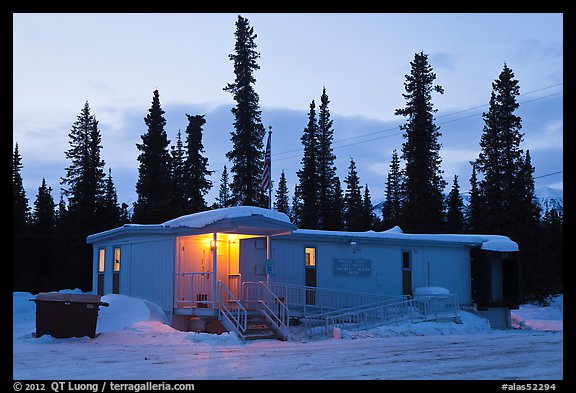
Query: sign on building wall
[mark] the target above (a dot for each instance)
(352, 267)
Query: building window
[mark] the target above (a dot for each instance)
(310, 279)
(116, 259)
(116, 275)
(406, 273)
(101, 264)
(406, 260)
(101, 259)
(310, 257)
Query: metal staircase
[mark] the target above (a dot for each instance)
(260, 314)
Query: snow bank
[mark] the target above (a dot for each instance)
(500, 245)
(431, 291)
(534, 317)
(126, 321)
(469, 323)
(202, 219)
(123, 311)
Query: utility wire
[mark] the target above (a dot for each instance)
(396, 128)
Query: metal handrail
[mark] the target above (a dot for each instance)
(421, 308)
(258, 292)
(238, 317)
(282, 317)
(316, 300)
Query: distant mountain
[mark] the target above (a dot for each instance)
(549, 198)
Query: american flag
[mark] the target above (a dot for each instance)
(267, 167)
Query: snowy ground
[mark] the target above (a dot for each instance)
(134, 343)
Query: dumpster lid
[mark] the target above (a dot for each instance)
(68, 297)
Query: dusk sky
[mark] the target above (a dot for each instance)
(116, 61)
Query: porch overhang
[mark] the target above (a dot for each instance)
(240, 220)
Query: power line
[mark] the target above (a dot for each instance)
(397, 131)
(548, 174)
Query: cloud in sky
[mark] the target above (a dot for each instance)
(361, 59)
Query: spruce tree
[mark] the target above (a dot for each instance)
(154, 185)
(83, 186)
(552, 243)
(84, 181)
(111, 213)
(177, 156)
(44, 215)
(308, 174)
(500, 158)
(337, 210)
(392, 206)
(247, 155)
(281, 204)
(526, 231)
(474, 210)
(196, 173)
(224, 198)
(353, 206)
(328, 215)
(509, 206)
(369, 219)
(20, 208)
(43, 243)
(423, 204)
(296, 211)
(455, 215)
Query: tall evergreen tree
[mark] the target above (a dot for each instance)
(527, 232)
(527, 204)
(423, 205)
(84, 181)
(83, 186)
(353, 206)
(224, 198)
(328, 216)
(369, 219)
(296, 211)
(455, 215)
(111, 213)
(43, 243)
(308, 174)
(154, 185)
(20, 208)
(44, 215)
(392, 206)
(61, 215)
(282, 202)
(474, 210)
(509, 206)
(177, 158)
(196, 173)
(247, 153)
(337, 212)
(552, 242)
(500, 158)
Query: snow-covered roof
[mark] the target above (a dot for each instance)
(486, 242)
(205, 218)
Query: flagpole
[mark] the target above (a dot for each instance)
(270, 165)
(269, 202)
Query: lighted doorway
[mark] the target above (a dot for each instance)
(310, 274)
(196, 274)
